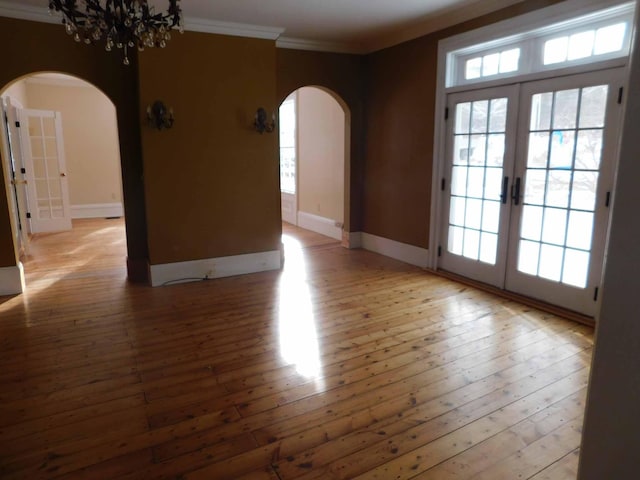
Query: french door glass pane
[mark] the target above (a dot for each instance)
(47, 173)
(476, 178)
(564, 156)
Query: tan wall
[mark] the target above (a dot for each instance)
(611, 434)
(212, 181)
(321, 137)
(46, 48)
(90, 133)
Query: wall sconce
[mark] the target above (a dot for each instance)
(159, 116)
(261, 123)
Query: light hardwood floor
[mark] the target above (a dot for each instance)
(344, 365)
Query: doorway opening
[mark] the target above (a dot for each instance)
(315, 131)
(61, 158)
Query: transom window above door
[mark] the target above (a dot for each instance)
(594, 37)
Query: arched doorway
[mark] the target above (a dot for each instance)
(315, 129)
(61, 160)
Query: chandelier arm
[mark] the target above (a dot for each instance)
(122, 23)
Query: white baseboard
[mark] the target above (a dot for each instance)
(195, 270)
(97, 210)
(400, 251)
(11, 280)
(322, 225)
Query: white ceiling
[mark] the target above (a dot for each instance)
(338, 25)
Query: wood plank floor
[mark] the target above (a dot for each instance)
(345, 365)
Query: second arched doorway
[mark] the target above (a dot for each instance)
(314, 158)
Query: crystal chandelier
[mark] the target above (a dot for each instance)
(123, 24)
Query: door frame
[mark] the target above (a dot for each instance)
(586, 300)
(564, 11)
(13, 166)
(287, 198)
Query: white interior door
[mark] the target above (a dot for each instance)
(566, 160)
(480, 153)
(44, 163)
(16, 179)
(530, 176)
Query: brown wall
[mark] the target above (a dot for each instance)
(344, 75)
(212, 181)
(44, 47)
(399, 126)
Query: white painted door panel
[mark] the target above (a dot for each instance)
(43, 156)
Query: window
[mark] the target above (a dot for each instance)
(288, 145)
(584, 44)
(488, 65)
(594, 37)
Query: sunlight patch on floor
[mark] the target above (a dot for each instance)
(296, 322)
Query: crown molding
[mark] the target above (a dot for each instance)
(27, 12)
(303, 44)
(41, 14)
(229, 28)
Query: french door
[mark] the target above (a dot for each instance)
(528, 181)
(44, 162)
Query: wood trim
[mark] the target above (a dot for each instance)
(209, 268)
(400, 251)
(318, 224)
(97, 210)
(531, 302)
(316, 46)
(194, 24)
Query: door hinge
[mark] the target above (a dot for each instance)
(595, 295)
(443, 184)
(620, 92)
(607, 202)
(28, 214)
(439, 251)
(17, 124)
(446, 113)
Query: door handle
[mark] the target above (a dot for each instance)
(515, 192)
(62, 174)
(505, 186)
(18, 182)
